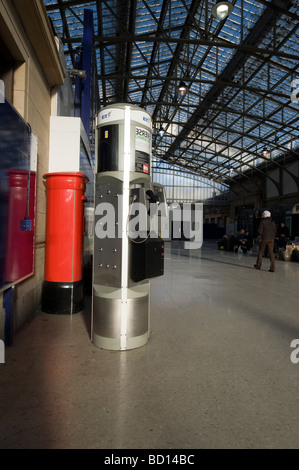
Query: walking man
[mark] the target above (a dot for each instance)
(266, 232)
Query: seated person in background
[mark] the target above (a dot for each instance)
(282, 236)
(227, 243)
(246, 242)
(231, 241)
(223, 243)
(239, 237)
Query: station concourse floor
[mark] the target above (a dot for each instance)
(216, 372)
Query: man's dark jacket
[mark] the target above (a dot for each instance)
(267, 229)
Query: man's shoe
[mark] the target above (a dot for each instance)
(256, 266)
(271, 271)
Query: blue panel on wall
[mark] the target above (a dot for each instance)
(87, 66)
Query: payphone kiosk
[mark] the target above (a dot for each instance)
(126, 253)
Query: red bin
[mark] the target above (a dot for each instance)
(63, 282)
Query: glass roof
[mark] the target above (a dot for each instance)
(241, 73)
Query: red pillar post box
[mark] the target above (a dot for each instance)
(63, 283)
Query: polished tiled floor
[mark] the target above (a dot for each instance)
(215, 374)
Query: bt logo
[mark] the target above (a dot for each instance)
(106, 116)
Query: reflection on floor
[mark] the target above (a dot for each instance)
(216, 372)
